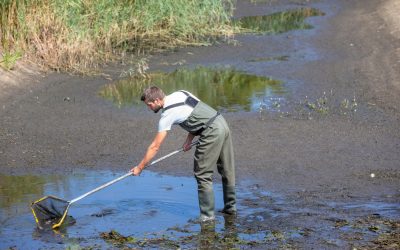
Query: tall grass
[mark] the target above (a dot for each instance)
(80, 34)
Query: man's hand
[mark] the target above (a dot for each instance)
(187, 145)
(136, 171)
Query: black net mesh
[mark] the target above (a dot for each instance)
(49, 211)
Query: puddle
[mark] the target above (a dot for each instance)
(133, 206)
(224, 88)
(279, 22)
(159, 211)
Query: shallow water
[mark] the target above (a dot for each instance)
(160, 210)
(136, 206)
(280, 22)
(133, 206)
(224, 88)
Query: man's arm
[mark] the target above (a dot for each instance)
(150, 153)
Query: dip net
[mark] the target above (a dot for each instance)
(50, 211)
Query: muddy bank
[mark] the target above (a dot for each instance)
(61, 124)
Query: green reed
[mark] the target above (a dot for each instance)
(80, 34)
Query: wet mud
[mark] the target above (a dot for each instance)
(323, 157)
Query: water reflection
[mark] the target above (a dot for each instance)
(223, 88)
(279, 22)
(13, 189)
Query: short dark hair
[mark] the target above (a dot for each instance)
(152, 93)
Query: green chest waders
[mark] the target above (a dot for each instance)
(214, 148)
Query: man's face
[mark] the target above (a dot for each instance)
(155, 105)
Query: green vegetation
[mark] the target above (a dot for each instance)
(116, 238)
(77, 35)
(9, 59)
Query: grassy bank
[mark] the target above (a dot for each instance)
(79, 34)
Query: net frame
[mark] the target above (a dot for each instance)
(50, 211)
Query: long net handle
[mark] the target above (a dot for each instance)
(128, 174)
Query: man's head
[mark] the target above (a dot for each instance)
(154, 98)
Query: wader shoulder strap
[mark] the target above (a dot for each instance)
(212, 119)
(208, 123)
(190, 101)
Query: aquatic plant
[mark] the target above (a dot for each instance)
(320, 105)
(308, 108)
(116, 238)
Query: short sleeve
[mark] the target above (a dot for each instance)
(165, 123)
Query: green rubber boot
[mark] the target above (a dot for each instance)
(229, 200)
(206, 204)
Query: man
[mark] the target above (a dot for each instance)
(214, 147)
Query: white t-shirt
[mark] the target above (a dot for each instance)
(176, 115)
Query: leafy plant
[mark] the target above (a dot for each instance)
(9, 60)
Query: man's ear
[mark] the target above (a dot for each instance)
(158, 101)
